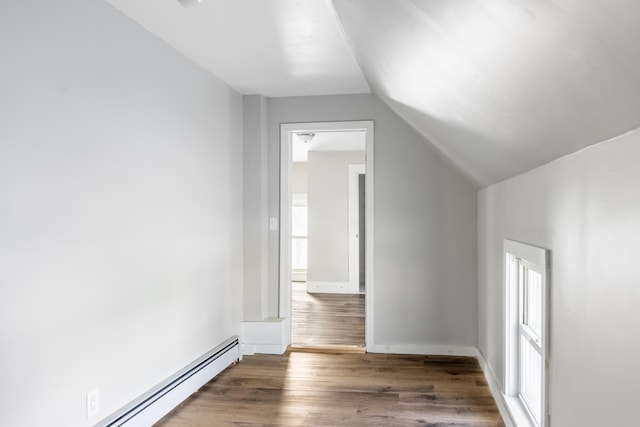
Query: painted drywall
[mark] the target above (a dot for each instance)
(120, 207)
(255, 208)
(585, 208)
(275, 48)
(328, 214)
(299, 180)
(425, 226)
(502, 86)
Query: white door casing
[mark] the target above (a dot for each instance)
(287, 131)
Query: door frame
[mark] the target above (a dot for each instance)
(286, 134)
(354, 171)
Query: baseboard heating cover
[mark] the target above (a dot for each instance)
(160, 400)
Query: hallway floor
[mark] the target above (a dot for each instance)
(327, 320)
(319, 389)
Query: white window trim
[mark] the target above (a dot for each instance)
(538, 260)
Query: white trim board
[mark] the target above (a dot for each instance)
(333, 287)
(425, 349)
(494, 387)
(265, 337)
(299, 275)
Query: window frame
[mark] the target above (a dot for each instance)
(518, 257)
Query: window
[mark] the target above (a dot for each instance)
(525, 334)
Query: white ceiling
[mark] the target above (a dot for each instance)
(267, 47)
(498, 86)
(328, 141)
(502, 86)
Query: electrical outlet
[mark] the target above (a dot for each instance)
(93, 403)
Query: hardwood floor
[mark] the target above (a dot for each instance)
(326, 320)
(340, 389)
(315, 389)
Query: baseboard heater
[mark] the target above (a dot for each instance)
(160, 400)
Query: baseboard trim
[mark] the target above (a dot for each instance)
(251, 349)
(264, 337)
(329, 349)
(426, 349)
(299, 276)
(333, 287)
(496, 390)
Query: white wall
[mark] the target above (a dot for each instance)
(585, 208)
(299, 179)
(120, 207)
(328, 214)
(425, 226)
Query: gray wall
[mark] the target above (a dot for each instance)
(255, 229)
(585, 208)
(328, 250)
(120, 207)
(425, 225)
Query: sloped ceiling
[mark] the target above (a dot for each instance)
(498, 86)
(268, 47)
(502, 86)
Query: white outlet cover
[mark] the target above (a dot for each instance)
(93, 403)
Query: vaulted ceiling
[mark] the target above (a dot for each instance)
(497, 86)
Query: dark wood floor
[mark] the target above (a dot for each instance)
(319, 389)
(326, 320)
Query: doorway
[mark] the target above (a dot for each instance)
(338, 279)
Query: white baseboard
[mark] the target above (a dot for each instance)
(333, 287)
(299, 276)
(264, 337)
(496, 390)
(425, 349)
(251, 349)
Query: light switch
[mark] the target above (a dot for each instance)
(273, 224)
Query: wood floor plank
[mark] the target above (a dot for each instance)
(319, 389)
(320, 320)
